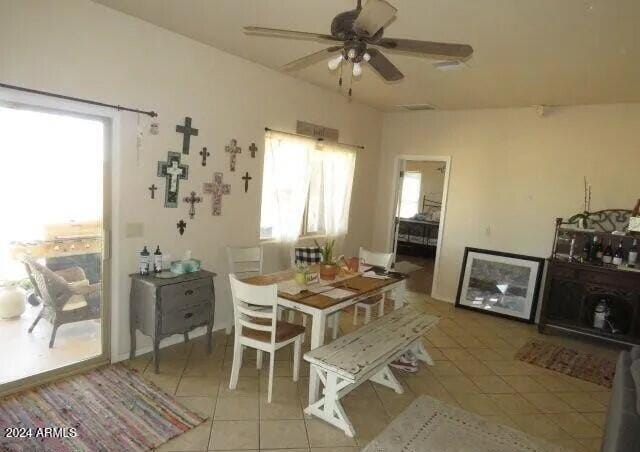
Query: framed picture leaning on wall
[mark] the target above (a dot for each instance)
(502, 284)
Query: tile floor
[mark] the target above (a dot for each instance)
(474, 369)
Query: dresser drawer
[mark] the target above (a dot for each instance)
(181, 320)
(178, 296)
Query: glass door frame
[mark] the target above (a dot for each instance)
(108, 117)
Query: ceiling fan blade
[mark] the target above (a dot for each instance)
(292, 34)
(440, 50)
(375, 15)
(310, 59)
(383, 66)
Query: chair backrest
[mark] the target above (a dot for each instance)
(53, 289)
(254, 307)
(377, 259)
(245, 261)
(306, 255)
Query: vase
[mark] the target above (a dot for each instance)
(328, 272)
(300, 278)
(12, 302)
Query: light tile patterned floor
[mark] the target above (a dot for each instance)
(474, 369)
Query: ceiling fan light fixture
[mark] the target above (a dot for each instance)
(351, 54)
(366, 57)
(335, 62)
(357, 69)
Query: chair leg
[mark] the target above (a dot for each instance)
(258, 359)
(33, 325)
(355, 314)
(297, 350)
(272, 357)
(336, 325)
(381, 308)
(53, 335)
(367, 314)
(237, 362)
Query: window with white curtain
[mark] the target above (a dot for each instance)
(306, 188)
(410, 202)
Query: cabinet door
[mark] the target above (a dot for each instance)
(565, 299)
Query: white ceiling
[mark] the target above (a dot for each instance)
(527, 52)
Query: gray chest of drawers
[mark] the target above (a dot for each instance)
(162, 307)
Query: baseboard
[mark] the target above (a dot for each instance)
(440, 297)
(173, 340)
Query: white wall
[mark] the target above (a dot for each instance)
(513, 173)
(82, 49)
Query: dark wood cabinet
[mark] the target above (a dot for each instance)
(572, 292)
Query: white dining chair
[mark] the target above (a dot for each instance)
(245, 261)
(256, 326)
(383, 260)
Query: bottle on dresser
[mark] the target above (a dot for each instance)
(618, 255)
(607, 255)
(157, 260)
(143, 262)
(586, 249)
(596, 250)
(633, 254)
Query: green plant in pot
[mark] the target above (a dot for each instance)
(328, 267)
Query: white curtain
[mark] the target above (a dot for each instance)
(285, 184)
(338, 165)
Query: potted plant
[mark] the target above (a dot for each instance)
(328, 267)
(12, 299)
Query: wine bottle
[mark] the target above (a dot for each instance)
(598, 253)
(586, 249)
(633, 254)
(619, 255)
(607, 256)
(143, 262)
(157, 260)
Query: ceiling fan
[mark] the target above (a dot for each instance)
(356, 34)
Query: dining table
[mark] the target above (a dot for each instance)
(320, 300)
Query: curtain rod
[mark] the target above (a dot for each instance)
(153, 114)
(267, 129)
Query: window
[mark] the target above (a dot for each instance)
(410, 202)
(306, 188)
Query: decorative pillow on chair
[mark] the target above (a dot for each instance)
(308, 255)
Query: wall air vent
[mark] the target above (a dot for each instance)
(417, 107)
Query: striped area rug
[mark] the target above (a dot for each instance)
(568, 361)
(108, 409)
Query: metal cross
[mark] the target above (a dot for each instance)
(233, 149)
(173, 171)
(246, 179)
(153, 189)
(217, 189)
(193, 199)
(187, 130)
(182, 225)
(204, 153)
(253, 149)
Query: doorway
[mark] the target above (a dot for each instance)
(53, 278)
(420, 205)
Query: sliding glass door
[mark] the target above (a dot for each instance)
(53, 302)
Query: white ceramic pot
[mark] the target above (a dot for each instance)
(12, 302)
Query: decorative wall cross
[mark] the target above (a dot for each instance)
(193, 199)
(182, 225)
(216, 189)
(246, 179)
(253, 149)
(173, 171)
(233, 149)
(204, 153)
(187, 130)
(153, 189)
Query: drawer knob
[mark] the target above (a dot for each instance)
(189, 292)
(188, 315)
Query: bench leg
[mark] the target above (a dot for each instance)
(421, 353)
(328, 408)
(386, 378)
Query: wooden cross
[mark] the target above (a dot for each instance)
(187, 131)
(173, 171)
(233, 149)
(193, 199)
(246, 179)
(217, 189)
(204, 153)
(182, 225)
(253, 149)
(153, 189)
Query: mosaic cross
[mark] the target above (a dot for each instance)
(181, 225)
(204, 153)
(173, 171)
(187, 131)
(193, 199)
(253, 149)
(233, 149)
(246, 179)
(216, 189)
(153, 189)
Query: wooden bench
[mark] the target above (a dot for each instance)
(365, 354)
